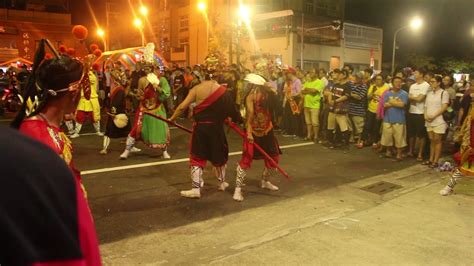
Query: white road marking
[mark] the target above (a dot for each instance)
(142, 165)
(92, 134)
(87, 134)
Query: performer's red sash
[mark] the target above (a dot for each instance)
(210, 100)
(114, 91)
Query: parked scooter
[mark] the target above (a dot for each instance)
(11, 100)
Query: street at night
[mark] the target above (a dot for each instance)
(321, 216)
(236, 132)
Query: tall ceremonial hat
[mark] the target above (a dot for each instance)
(264, 66)
(148, 55)
(118, 76)
(51, 76)
(214, 61)
(149, 61)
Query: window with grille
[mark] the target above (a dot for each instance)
(359, 36)
(328, 8)
(183, 23)
(183, 41)
(309, 6)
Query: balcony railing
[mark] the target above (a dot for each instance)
(35, 16)
(359, 36)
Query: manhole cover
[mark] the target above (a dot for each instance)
(381, 187)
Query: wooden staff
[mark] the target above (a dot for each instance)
(260, 149)
(169, 122)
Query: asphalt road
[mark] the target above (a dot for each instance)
(145, 197)
(140, 217)
(136, 201)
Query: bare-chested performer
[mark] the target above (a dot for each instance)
(208, 142)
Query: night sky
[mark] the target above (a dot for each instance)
(446, 30)
(81, 15)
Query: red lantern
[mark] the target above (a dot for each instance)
(80, 32)
(62, 48)
(71, 51)
(96, 67)
(94, 47)
(48, 56)
(97, 52)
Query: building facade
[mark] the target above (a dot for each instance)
(24, 23)
(307, 33)
(312, 33)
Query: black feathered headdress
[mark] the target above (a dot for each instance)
(49, 78)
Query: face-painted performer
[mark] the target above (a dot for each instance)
(52, 91)
(117, 124)
(258, 103)
(88, 107)
(153, 92)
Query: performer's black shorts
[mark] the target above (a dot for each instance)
(269, 144)
(209, 143)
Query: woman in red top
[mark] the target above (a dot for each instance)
(52, 91)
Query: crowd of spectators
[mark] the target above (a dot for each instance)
(406, 115)
(409, 114)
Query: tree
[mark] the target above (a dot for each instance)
(456, 65)
(421, 61)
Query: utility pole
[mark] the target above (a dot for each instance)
(231, 43)
(107, 19)
(302, 41)
(239, 29)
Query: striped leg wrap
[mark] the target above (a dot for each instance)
(220, 172)
(452, 182)
(106, 143)
(97, 126)
(130, 143)
(196, 175)
(454, 178)
(240, 178)
(70, 126)
(267, 172)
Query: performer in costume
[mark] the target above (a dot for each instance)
(89, 107)
(117, 124)
(54, 90)
(208, 142)
(464, 136)
(69, 122)
(153, 92)
(258, 103)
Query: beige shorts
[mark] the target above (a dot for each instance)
(394, 133)
(311, 116)
(439, 129)
(358, 122)
(340, 119)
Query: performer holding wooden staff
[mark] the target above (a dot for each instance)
(258, 103)
(153, 92)
(208, 142)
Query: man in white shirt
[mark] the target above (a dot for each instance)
(322, 76)
(416, 122)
